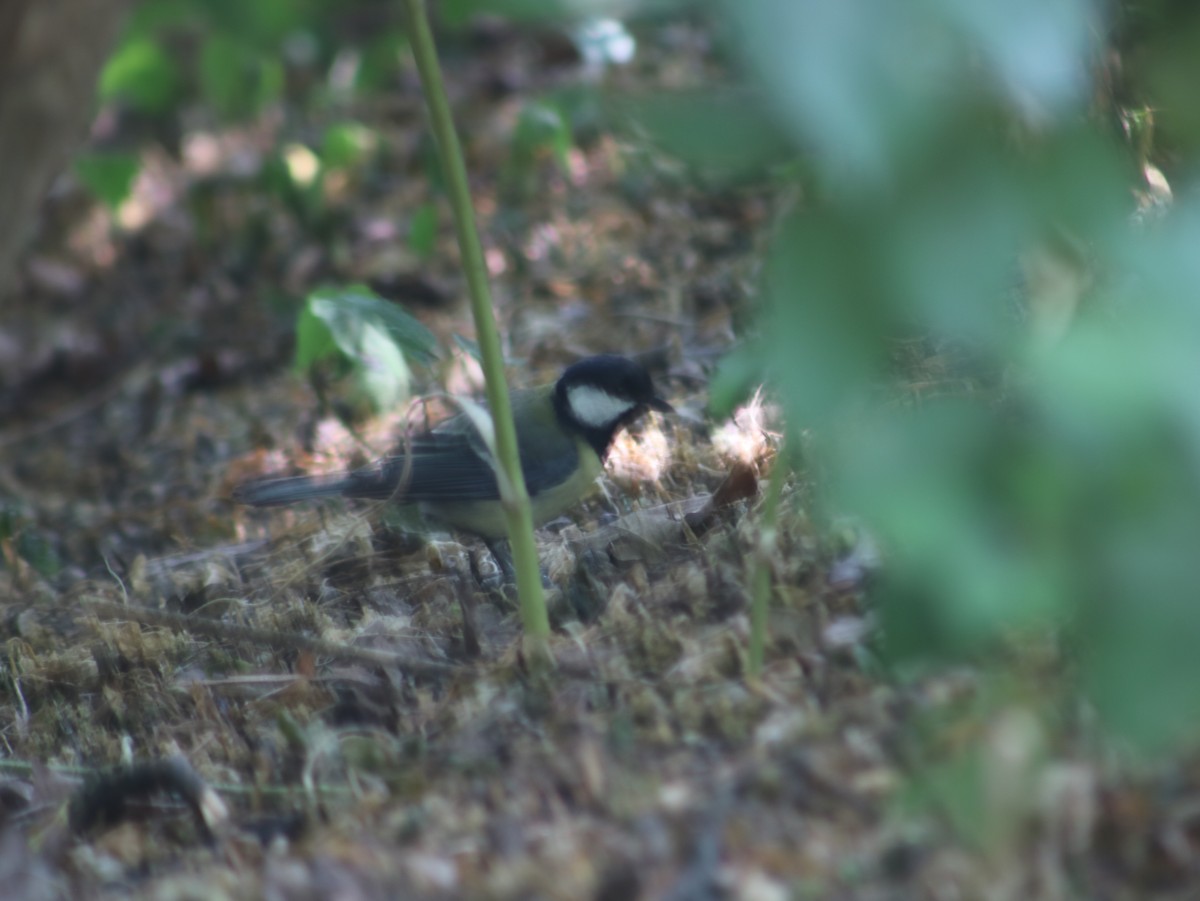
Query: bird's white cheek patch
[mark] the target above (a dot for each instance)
(595, 407)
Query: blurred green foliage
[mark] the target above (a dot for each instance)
(749, 146)
(231, 61)
(142, 74)
(458, 11)
(297, 175)
(422, 231)
(1047, 483)
(352, 333)
(943, 142)
(22, 543)
(237, 58)
(109, 176)
(1036, 470)
(542, 131)
(235, 80)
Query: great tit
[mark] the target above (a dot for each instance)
(564, 432)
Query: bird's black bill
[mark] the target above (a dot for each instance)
(657, 403)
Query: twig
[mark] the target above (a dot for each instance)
(768, 539)
(517, 507)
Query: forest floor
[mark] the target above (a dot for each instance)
(200, 700)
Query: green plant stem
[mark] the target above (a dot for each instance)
(513, 491)
(764, 557)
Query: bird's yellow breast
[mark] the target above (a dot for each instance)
(487, 518)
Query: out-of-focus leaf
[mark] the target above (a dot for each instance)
(723, 134)
(314, 340)
(342, 309)
(1117, 395)
(738, 375)
(469, 347)
(347, 144)
(1170, 69)
(541, 127)
(583, 108)
(148, 19)
(18, 534)
(422, 231)
(109, 176)
(951, 249)
(541, 130)
(460, 11)
(143, 75)
(853, 80)
(1079, 181)
(382, 371)
(33, 547)
(826, 319)
(870, 85)
(956, 502)
(268, 84)
(223, 75)
(235, 78)
(380, 61)
(263, 23)
(374, 337)
(1037, 51)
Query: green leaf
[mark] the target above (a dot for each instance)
(738, 375)
(314, 340)
(540, 127)
(826, 314)
(223, 75)
(382, 370)
(373, 337)
(235, 79)
(1038, 52)
(458, 12)
(29, 544)
(541, 130)
(380, 62)
(150, 19)
(409, 333)
(346, 145)
(141, 74)
(38, 552)
(972, 515)
(723, 134)
(422, 231)
(263, 24)
(108, 176)
(469, 347)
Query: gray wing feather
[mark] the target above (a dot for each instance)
(447, 464)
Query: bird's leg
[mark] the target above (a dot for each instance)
(502, 585)
(502, 554)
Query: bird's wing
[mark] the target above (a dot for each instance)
(451, 463)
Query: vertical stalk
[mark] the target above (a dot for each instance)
(513, 491)
(764, 556)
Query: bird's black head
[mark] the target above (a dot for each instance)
(599, 395)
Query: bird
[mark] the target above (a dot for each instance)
(564, 433)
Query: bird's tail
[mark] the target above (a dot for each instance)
(274, 492)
